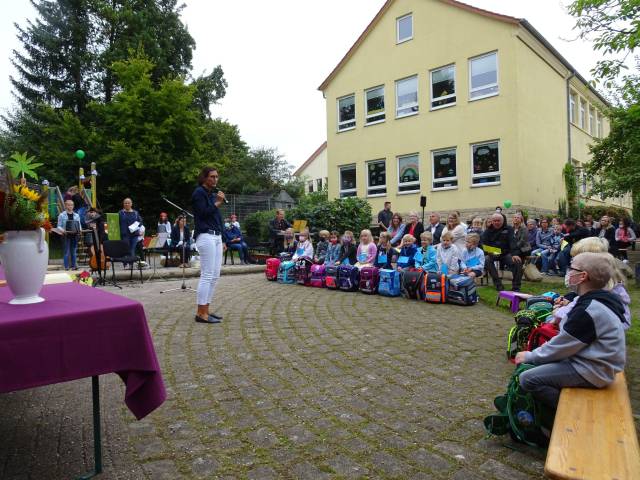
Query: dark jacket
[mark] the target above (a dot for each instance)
(578, 234)
(502, 238)
(417, 231)
(436, 234)
(610, 235)
(321, 251)
(231, 233)
(385, 217)
(522, 240)
(390, 252)
(206, 213)
(175, 237)
(348, 251)
(276, 226)
(126, 219)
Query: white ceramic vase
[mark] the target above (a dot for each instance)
(25, 255)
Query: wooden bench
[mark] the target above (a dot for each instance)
(594, 436)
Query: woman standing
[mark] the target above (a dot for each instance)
(130, 225)
(206, 200)
(624, 236)
(457, 230)
(181, 241)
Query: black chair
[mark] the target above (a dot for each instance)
(229, 251)
(118, 251)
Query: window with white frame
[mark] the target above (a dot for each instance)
(348, 181)
(592, 121)
(599, 125)
(404, 28)
(485, 163)
(444, 169)
(583, 114)
(374, 101)
(572, 107)
(376, 178)
(347, 112)
(443, 87)
(483, 76)
(407, 96)
(409, 173)
(319, 184)
(310, 186)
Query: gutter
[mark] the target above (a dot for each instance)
(569, 158)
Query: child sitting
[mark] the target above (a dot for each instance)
(408, 251)
(427, 253)
(550, 255)
(290, 243)
(448, 255)
(333, 249)
(590, 348)
(472, 257)
(366, 253)
(386, 252)
(347, 250)
(304, 247)
(321, 249)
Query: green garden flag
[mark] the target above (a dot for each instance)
(113, 224)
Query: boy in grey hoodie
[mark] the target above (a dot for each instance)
(590, 348)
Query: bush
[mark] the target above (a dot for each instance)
(598, 211)
(257, 224)
(340, 214)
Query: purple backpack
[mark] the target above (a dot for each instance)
(317, 275)
(369, 278)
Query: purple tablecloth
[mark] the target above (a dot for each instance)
(79, 332)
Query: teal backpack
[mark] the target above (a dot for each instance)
(519, 415)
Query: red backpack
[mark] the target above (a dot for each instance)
(272, 268)
(541, 335)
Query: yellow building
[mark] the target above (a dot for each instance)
(314, 170)
(465, 106)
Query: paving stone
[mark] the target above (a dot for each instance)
(204, 467)
(262, 473)
(308, 471)
(501, 471)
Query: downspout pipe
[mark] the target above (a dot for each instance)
(569, 155)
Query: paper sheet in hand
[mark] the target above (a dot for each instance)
(134, 226)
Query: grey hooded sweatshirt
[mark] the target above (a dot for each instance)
(591, 338)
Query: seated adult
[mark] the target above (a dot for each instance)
(94, 221)
(414, 227)
(181, 240)
(573, 235)
(277, 228)
(499, 244)
(396, 229)
(457, 229)
(235, 241)
(590, 348)
(435, 227)
(608, 232)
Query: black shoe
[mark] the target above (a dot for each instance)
(515, 289)
(206, 320)
(500, 287)
(215, 317)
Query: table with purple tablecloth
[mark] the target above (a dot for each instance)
(79, 332)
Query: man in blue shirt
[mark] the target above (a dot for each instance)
(234, 240)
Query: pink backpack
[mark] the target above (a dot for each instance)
(317, 276)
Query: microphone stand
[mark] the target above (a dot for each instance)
(184, 287)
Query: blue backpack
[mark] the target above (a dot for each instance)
(348, 278)
(287, 272)
(462, 290)
(389, 284)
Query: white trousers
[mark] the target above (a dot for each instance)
(210, 250)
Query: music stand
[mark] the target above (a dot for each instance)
(184, 287)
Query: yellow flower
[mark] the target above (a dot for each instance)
(27, 193)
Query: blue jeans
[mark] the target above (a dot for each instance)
(548, 260)
(70, 247)
(242, 248)
(133, 242)
(546, 381)
(564, 259)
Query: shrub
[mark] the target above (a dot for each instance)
(597, 211)
(340, 214)
(257, 224)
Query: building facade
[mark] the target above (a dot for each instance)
(464, 106)
(314, 170)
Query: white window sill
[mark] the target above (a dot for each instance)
(488, 184)
(407, 115)
(481, 97)
(443, 188)
(376, 195)
(410, 192)
(400, 42)
(443, 106)
(340, 130)
(368, 124)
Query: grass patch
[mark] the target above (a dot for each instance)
(488, 296)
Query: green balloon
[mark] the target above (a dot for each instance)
(507, 204)
(581, 204)
(79, 154)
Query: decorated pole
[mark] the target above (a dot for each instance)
(94, 191)
(80, 179)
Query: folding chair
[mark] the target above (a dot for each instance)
(118, 251)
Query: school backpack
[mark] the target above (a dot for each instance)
(434, 287)
(287, 272)
(271, 271)
(539, 302)
(519, 414)
(541, 335)
(462, 290)
(389, 284)
(410, 283)
(331, 277)
(317, 275)
(348, 278)
(285, 257)
(369, 279)
(525, 322)
(303, 271)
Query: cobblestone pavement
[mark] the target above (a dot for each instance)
(296, 383)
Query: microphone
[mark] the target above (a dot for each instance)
(216, 190)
